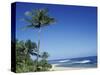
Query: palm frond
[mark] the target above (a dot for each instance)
(28, 20)
(34, 53)
(39, 18)
(28, 26)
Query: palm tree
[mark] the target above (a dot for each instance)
(31, 48)
(37, 19)
(44, 55)
(45, 66)
(23, 51)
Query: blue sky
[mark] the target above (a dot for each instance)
(73, 35)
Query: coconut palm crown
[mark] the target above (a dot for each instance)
(38, 18)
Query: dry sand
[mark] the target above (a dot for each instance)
(56, 68)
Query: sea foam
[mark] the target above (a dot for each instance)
(82, 62)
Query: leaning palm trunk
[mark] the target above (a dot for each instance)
(38, 51)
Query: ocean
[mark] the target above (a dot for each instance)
(82, 62)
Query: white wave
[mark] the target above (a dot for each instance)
(64, 60)
(82, 62)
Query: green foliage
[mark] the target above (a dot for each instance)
(24, 63)
(44, 55)
(38, 18)
(44, 65)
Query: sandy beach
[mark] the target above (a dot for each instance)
(56, 68)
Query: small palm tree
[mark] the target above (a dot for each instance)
(29, 48)
(37, 19)
(44, 55)
(45, 66)
(23, 52)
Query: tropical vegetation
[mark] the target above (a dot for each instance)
(36, 19)
(24, 62)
